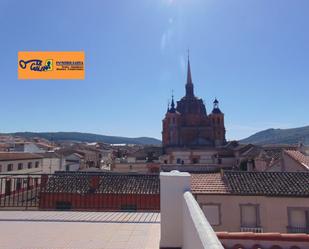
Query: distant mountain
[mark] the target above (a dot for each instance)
(88, 137)
(280, 136)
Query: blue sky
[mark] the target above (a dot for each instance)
(253, 55)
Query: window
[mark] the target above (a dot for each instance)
(298, 219)
(37, 163)
(20, 166)
(212, 213)
(195, 160)
(29, 165)
(178, 161)
(249, 215)
(10, 167)
(0, 168)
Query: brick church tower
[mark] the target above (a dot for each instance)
(187, 125)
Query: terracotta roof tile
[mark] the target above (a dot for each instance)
(106, 183)
(294, 184)
(299, 157)
(208, 183)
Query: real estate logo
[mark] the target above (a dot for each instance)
(51, 65)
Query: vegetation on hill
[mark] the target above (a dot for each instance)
(280, 136)
(88, 137)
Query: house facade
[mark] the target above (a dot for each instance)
(259, 202)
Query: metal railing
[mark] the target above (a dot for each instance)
(292, 229)
(252, 229)
(80, 191)
(18, 191)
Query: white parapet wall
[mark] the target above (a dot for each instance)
(172, 186)
(197, 232)
(183, 224)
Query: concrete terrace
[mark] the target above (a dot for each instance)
(79, 230)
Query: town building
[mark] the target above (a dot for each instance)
(292, 161)
(27, 167)
(22, 163)
(260, 202)
(144, 160)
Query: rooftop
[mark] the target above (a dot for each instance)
(104, 183)
(299, 157)
(9, 156)
(79, 230)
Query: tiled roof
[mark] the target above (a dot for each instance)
(208, 183)
(268, 183)
(299, 157)
(104, 183)
(129, 184)
(294, 184)
(10, 156)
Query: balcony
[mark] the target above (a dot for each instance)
(292, 229)
(252, 229)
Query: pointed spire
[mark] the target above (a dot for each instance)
(189, 78)
(189, 84)
(172, 104)
(172, 109)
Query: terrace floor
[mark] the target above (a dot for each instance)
(79, 230)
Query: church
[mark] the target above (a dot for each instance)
(188, 126)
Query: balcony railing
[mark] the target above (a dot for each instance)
(292, 229)
(252, 229)
(80, 191)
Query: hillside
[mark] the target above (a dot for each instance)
(87, 137)
(280, 136)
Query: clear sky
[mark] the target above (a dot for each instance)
(253, 55)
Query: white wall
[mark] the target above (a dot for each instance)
(197, 232)
(50, 165)
(183, 224)
(172, 186)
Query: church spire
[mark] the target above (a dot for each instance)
(172, 109)
(189, 84)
